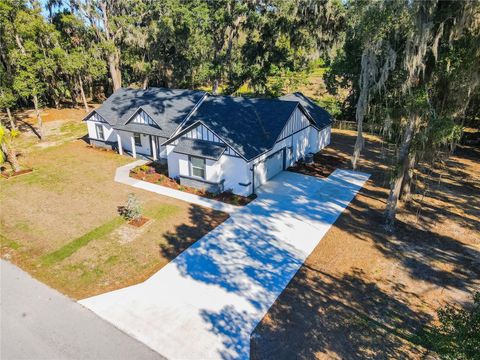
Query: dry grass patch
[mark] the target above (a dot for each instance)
(364, 294)
(61, 223)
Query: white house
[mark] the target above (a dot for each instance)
(211, 142)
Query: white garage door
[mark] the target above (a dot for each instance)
(268, 168)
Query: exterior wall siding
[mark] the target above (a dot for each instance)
(297, 121)
(126, 136)
(142, 117)
(108, 131)
(228, 170)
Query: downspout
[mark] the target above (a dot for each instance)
(252, 169)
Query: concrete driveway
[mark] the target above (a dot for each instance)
(207, 301)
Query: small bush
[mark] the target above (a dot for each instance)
(132, 209)
(458, 335)
(144, 168)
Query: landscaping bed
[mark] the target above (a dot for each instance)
(156, 173)
(322, 166)
(10, 173)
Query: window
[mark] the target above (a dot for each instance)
(138, 139)
(99, 129)
(197, 167)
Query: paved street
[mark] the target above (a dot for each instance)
(37, 322)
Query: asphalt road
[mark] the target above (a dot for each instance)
(37, 322)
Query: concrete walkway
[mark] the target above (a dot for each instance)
(37, 322)
(207, 301)
(122, 175)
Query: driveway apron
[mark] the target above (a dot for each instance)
(206, 302)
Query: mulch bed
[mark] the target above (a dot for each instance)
(9, 174)
(139, 222)
(157, 174)
(323, 165)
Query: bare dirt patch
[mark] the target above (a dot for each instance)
(323, 165)
(139, 222)
(365, 294)
(71, 193)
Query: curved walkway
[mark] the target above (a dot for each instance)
(207, 301)
(122, 175)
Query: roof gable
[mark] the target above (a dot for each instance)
(168, 108)
(142, 118)
(321, 117)
(250, 126)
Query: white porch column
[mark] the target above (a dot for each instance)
(119, 142)
(134, 150)
(154, 149)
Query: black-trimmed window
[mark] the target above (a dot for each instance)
(197, 167)
(99, 130)
(138, 139)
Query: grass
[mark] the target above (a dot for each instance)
(71, 247)
(162, 211)
(4, 242)
(60, 223)
(157, 213)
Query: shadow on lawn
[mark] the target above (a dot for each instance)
(320, 311)
(201, 222)
(344, 316)
(351, 317)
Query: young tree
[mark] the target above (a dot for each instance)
(8, 152)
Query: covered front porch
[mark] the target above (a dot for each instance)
(141, 145)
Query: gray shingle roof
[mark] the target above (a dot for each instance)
(168, 108)
(321, 117)
(250, 126)
(201, 148)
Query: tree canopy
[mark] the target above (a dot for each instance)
(410, 68)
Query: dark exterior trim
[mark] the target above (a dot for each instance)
(112, 145)
(197, 183)
(135, 113)
(199, 156)
(189, 115)
(103, 121)
(195, 125)
(190, 167)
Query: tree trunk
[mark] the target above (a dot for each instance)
(402, 167)
(39, 118)
(114, 67)
(215, 87)
(406, 190)
(359, 143)
(82, 93)
(13, 126)
(145, 82)
(11, 156)
(73, 92)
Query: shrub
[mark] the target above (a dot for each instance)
(458, 335)
(132, 209)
